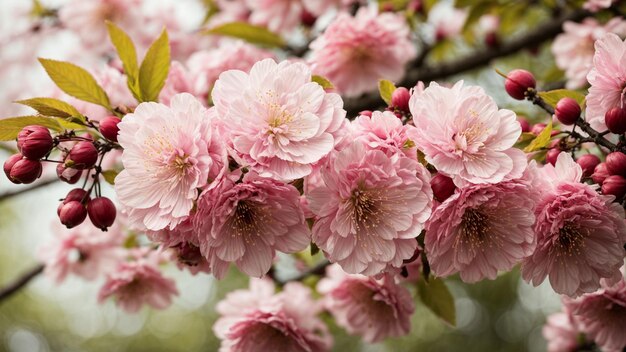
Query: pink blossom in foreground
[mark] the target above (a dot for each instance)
(580, 234)
(370, 209)
(355, 52)
(258, 319)
(607, 79)
(561, 332)
(169, 152)
(384, 131)
(574, 48)
(278, 121)
(465, 136)
(364, 306)
(248, 222)
(138, 282)
(480, 230)
(602, 316)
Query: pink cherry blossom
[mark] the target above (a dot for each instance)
(481, 229)
(597, 5)
(465, 136)
(279, 122)
(355, 52)
(384, 131)
(258, 319)
(169, 152)
(607, 79)
(370, 209)
(580, 234)
(247, 222)
(447, 20)
(179, 80)
(281, 16)
(573, 49)
(602, 316)
(373, 309)
(561, 332)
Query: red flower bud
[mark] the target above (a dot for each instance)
(492, 40)
(567, 111)
(101, 212)
(26, 131)
(615, 120)
(537, 128)
(82, 156)
(67, 174)
(600, 173)
(367, 113)
(37, 145)
(400, 99)
(552, 155)
(77, 194)
(616, 163)
(518, 82)
(443, 187)
(8, 164)
(588, 163)
(109, 129)
(25, 171)
(614, 185)
(307, 18)
(524, 124)
(72, 214)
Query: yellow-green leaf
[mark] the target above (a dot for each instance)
(154, 68)
(10, 127)
(250, 33)
(322, 81)
(127, 53)
(553, 96)
(76, 82)
(436, 296)
(542, 140)
(386, 89)
(524, 140)
(52, 107)
(69, 125)
(109, 176)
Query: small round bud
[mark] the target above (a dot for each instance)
(400, 99)
(25, 171)
(524, 124)
(443, 187)
(367, 113)
(588, 163)
(101, 212)
(37, 145)
(307, 18)
(26, 131)
(552, 155)
(600, 173)
(567, 111)
(82, 156)
(614, 185)
(616, 163)
(492, 40)
(77, 194)
(615, 120)
(518, 82)
(67, 174)
(8, 164)
(72, 213)
(108, 127)
(537, 128)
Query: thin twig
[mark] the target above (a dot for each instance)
(37, 185)
(20, 282)
(318, 269)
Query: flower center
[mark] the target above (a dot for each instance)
(474, 228)
(368, 207)
(570, 240)
(248, 219)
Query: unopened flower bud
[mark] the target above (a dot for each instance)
(108, 127)
(567, 111)
(400, 99)
(307, 18)
(616, 163)
(8, 164)
(26, 131)
(537, 128)
(37, 145)
(77, 194)
(443, 187)
(72, 213)
(83, 155)
(367, 113)
(25, 171)
(600, 173)
(518, 82)
(492, 40)
(588, 163)
(615, 120)
(102, 212)
(68, 175)
(552, 155)
(524, 124)
(614, 185)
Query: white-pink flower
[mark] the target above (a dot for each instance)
(384, 131)
(278, 121)
(607, 79)
(247, 222)
(597, 5)
(465, 136)
(580, 234)
(370, 209)
(373, 309)
(561, 332)
(355, 52)
(258, 319)
(169, 152)
(281, 16)
(481, 229)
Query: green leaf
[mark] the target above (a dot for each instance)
(542, 140)
(250, 33)
(154, 68)
(52, 107)
(10, 127)
(436, 296)
(76, 82)
(386, 89)
(322, 81)
(109, 176)
(127, 53)
(69, 125)
(475, 13)
(524, 140)
(552, 97)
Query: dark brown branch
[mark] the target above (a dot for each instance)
(318, 269)
(37, 185)
(478, 59)
(20, 282)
